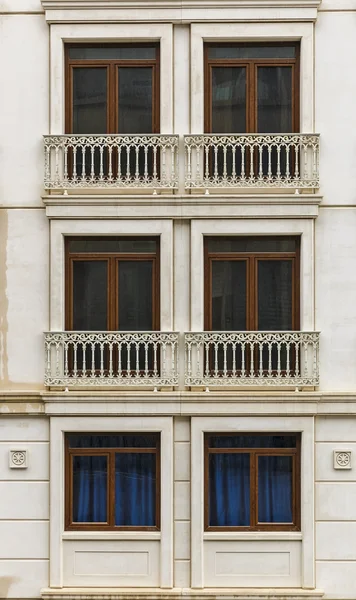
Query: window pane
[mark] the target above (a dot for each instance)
(275, 489)
(135, 100)
(89, 295)
(250, 51)
(228, 295)
(229, 490)
(228, 100)
(89, 101)
(112, 52)
(243, 244)
(89, 489)
(131, 440)
(135, 295)
(252, 441)
(135, 490)
(275, 295)
(113, 245)
(274, 100)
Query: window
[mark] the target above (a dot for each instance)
(112, 89)
(252, 481)
(252, 88)
(112, 481)
(252, 284)
(112, 284)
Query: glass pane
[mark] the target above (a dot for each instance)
(89, 100)
(115, 440)
(251, 51)
(113, 245)
(249, 244)
(228, 100)
(135, 490)
(135, 295)
(274, 100)
(89, 295)
(135, 100)
(112, 52)
(275, 489)
(252, 441)
(229, 295)
(275, 295)
(229, 490)
(89, 489)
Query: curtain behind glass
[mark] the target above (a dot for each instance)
(135, 490)
(229, 490)
(89, 489)
(275, 489)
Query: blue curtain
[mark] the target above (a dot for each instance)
(89, 489)
(275, 489)
(229, 490)
(135, 489)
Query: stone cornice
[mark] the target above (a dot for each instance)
(176, 11)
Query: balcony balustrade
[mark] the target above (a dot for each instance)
(150, 359)
(88, 358)
(111, 161)
(252, 161)
(211, 161)
(255, 358)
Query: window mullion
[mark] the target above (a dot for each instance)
(111, 489)
(253, 490)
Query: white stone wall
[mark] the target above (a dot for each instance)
(31, 261)
(24, 508)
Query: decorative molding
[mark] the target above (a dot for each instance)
(342, 459)
(179, 11)
(18, 459)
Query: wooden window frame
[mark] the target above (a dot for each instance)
(251, 81)
(70, 525)
(254, 454)
(252, 259)
(112, 83)
(112, 259)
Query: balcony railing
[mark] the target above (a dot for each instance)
(252, 161)
(88, 358)
(256, 358)
(111, 161)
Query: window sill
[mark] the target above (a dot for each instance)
(111, 535)
(268, 536)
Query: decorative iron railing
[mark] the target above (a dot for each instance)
(254, 358)
(252, 160)
(88, 358)
(111, 161)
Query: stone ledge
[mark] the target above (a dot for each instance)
(180, 593)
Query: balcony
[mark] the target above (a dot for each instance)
(212, 162)
(252, 161)
(83, 358)
(212, 359)
(256, 358)
(111, 161)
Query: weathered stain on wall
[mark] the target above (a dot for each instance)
(3, 299)
(5, 583)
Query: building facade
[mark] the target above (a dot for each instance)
(177, 299)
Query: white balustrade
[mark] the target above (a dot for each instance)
(252, 160)
(88, 358)
(255, 358)
(111, 161)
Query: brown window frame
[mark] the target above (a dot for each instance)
(251, 81)
(112, 81)
(112, 288)
(71, 525)
(254, 454)
(252, 259)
